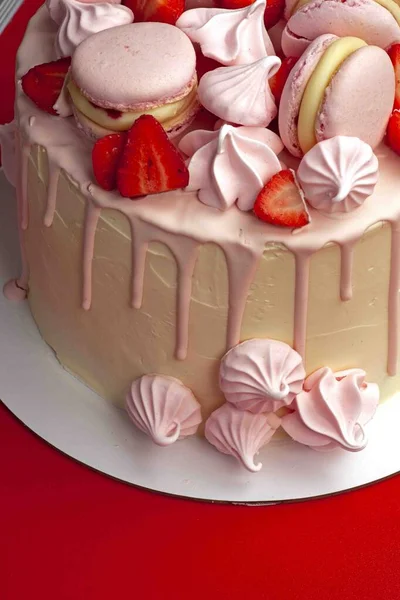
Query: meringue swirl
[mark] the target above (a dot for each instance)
(261, 375)
(79, 20)
(332, 410)
(240, 433)
(241, 94)
(338, 174)
(163, 408)
(231, 37)
(233, 167)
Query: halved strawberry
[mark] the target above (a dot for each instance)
(394, 53)
(233, 4)
(150, 163)
(393, 131)
(273, 12)
(277, 81)
(43, 83)
(281, 201)
(162, 11)
(106, 154)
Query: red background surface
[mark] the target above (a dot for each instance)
(68, 533)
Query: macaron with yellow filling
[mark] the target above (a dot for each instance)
(339, 86)
(121, 73)
(377, 22)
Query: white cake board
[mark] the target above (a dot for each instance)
(72, 418)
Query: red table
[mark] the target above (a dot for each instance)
(68, 533)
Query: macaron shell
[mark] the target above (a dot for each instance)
(294, 89)
(136, 66)
(365, 19)
(359, 100)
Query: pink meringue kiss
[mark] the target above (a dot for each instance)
(79, 20)
(241, 94)
(56, 7)
(230, 37)
(233, 167)
(261, 375)
(338, 174)
(163, 408)
(240, 433)
(332, 410)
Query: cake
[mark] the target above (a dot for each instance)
(220, 257)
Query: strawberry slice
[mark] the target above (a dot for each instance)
(273, 12)
(234, 4)
(43, 83)
(394, 53)
(162, 11)
(393, 132)
(281, 201)
(277, 81)
(150, 163)
(106, 155)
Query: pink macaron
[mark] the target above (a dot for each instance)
(365, 19)
(357, 101)
(124, 72)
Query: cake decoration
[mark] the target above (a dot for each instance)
(340, 86)
(332, 410)
(43, 83)
(156, 10)
(281, 201)
(339, 174)
(106, 155)
(240, 433)
(241, 94)
(366, 19)
(393, 131)
(196, 139)
(82, 19)
(230, 37)
(56, 8)
(261, 375)
(163, 408)
(231, 168)
(394, 55)
(277, 82)
(163, 84)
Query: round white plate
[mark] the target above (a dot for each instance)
(72, 418)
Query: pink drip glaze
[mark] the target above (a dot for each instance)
(13, 291)
(184, 223)
(26, 150)
(302, 260)
(393, 303)
(54, 174)
(91, 219)
(346, 271)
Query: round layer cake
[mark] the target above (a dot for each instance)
(167, 285)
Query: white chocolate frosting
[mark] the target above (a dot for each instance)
(338, 174)
(233, 167)
(261, 375)
(241, 94)
(7, 143)
(163, 408)
(231, 37)
(240, 433)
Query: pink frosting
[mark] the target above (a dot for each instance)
(231, 37)
(163, 408)
(332, 410)
(240, 433)
(339, 174)
(79, 20)
(261, 375)
(365, 19)
(232, 166)
(241, 94)
(7, 143)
